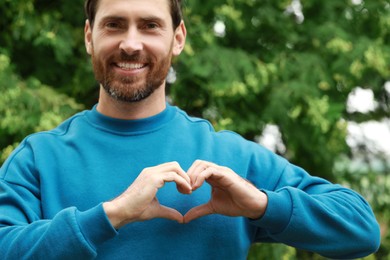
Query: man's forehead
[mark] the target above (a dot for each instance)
(124, 8)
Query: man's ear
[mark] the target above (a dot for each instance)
(180, 39)
(88, 37)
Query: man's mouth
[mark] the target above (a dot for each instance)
(130, 66)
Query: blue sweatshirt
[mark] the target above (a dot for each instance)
(53, 185)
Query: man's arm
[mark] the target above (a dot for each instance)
(25, 234)
(302, 211)
(24, 231)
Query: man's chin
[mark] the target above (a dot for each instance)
(119, 94)
(135, 98)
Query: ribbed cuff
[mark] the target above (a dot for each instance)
(95, 225)
(278, 213)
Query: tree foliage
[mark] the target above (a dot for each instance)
(268, 66)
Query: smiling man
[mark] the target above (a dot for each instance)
(132, 44)
(137, 178)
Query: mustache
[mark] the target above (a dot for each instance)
(136, 57)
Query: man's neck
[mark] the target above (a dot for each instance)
(148, 107)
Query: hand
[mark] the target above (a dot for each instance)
(139, 202)
(231, 195)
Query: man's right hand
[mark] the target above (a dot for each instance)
(139, 202)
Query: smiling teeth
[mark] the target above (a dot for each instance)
(130, 66)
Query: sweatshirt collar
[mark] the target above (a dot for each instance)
(130, 127)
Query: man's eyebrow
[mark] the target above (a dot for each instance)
(153, 19)
(143, 18)
(112, 18)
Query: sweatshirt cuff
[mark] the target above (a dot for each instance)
(278, 213)
(95, 225)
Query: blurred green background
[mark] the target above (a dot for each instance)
(309, 79)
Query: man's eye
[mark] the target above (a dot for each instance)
(112, 25)
(151, 26)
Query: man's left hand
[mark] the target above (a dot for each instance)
(231, 194)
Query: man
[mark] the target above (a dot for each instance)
(136, 178)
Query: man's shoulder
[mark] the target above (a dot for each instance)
(200, 125)
(194, 121)
(60, 130)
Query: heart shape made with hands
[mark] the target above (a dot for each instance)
(187, 183)
(231, 195)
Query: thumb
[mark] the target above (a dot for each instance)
(169, 213)
(198, 212)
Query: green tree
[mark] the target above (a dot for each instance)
(268, 66)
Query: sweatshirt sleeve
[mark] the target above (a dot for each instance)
(26, 234)
(313, 214)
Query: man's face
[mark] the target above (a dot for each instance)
(132, 43)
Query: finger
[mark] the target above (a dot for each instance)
(184, 190)
(203, 175)
(196, 169)
(170, 213)
(175, 167)
(182, 184)
(193, 167)
(198, 212)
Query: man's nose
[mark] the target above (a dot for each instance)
(132, 41)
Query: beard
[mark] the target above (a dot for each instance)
(132, 88)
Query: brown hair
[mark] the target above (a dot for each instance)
(91, 6)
